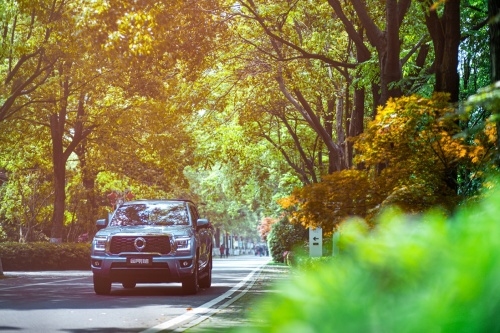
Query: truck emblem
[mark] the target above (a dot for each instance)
(139, 244)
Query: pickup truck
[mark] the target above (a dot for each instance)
(153, 241)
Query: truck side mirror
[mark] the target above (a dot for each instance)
(101, 224)
(202, 223)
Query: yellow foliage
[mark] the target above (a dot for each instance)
(490, 130)
(418, 132)
(288, 202)
(407, 154)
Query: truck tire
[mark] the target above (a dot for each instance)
(206, 281)
(190, 284)
(102, 286)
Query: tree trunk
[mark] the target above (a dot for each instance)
(88, 181)
(445, 34)
(356, 124)
(341, 137)
(386, 42)
(450, 79)
(390, 65)
(60, 154)
(336, 155)
(59, 168)
(494, 12)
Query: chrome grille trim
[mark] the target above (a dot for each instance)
(154, 244)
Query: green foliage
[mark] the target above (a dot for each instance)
(483, 119)
(38, 256)
(307, 264)
(169, 92)
(408, 274)
(474, 54)
(487, 98)
(284, 237)
(236, 175)
(26, 194)
(3, 234)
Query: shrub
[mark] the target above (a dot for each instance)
(285, 236)
(408, 274)
(44, 256)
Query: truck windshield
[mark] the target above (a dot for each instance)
(169, 213)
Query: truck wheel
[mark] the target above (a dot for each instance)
(206, 281)
(190, 285)
(102, 286)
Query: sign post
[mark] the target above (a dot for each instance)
(335, 243)
(315, 242)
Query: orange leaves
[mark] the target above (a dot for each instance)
(327, 203)
(408, 156)
(490, 130)
(288, 202)
(264, 227)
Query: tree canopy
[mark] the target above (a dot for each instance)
(332, 108)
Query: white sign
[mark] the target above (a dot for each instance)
(315, 242)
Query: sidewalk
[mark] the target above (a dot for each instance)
(237, 313)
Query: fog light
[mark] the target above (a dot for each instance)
(185, 263)
(96, 263)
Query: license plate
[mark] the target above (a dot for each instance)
(139, 261)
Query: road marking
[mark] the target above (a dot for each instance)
(42, 283)
(204, 311)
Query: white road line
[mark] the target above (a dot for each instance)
(204, 311)
(42, 283)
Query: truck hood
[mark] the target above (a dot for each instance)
(146, 230)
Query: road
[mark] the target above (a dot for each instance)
(65, 301)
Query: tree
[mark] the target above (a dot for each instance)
(418, 142)
(386, 42)
(27, 62)
(236, 180)
(257, 98)
(60, 111)
(474, 53)
(265, 227)
(79, 70)
(326, 204)
(27, 192)
(297, 52)
(292, 57)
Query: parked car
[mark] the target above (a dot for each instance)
(153, 241)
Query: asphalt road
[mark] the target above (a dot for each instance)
(66, 302)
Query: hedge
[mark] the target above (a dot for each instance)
(42, 256)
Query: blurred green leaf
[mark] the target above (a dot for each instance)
(407, 274)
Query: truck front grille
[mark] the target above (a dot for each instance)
(159, 244)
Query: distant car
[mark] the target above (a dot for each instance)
(153, 241)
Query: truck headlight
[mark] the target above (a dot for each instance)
(99, 243)
(183, 244)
